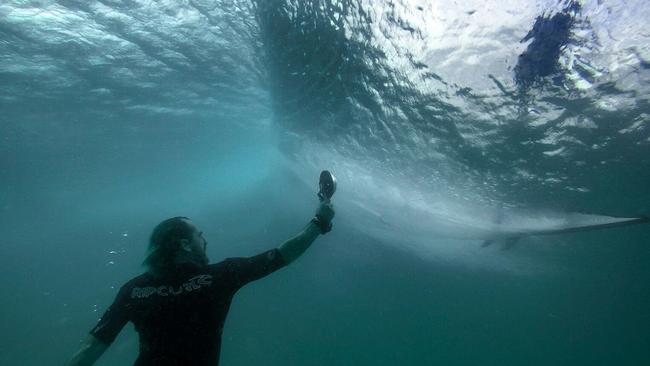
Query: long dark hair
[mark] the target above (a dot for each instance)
(164, 243)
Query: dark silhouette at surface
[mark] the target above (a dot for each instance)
(549, 37)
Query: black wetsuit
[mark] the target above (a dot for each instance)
(180, 315)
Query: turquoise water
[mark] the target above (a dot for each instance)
(445, 124)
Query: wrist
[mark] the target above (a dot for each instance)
(323, 226)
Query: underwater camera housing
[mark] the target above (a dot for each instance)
(327, 185)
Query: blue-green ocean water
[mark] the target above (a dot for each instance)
(445, 123)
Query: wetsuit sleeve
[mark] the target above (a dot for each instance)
(113, 319)
(246, 269)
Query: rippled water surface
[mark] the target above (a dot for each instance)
(452, 127)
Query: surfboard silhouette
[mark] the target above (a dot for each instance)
(603, 222)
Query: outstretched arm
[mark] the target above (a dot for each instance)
(89, 352)
(294, 247)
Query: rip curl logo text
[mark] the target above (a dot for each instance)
(193, 284)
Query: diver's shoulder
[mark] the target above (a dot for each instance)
(218, 266)
(139, 280)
